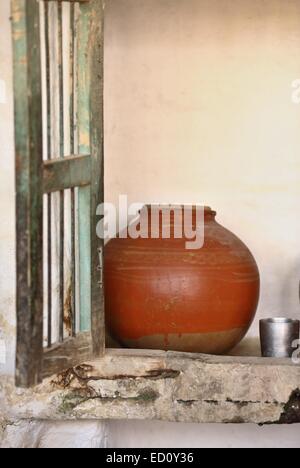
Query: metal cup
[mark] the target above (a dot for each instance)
(277, 336)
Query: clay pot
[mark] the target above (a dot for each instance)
(159, 295)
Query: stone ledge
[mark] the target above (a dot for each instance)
(169, 386)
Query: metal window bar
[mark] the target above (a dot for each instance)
(48, 42)
(49, 204)
(61, 194)
(72, 148)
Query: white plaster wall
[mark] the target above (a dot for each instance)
(137, 434)
(183, 89)
(45, 434)
(199, 109)
(7, 210)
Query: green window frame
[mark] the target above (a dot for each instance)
(37, 179)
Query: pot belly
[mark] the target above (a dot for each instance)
(187, 310)
(207, 343)
(160, 295)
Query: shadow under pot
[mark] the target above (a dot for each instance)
(161, 295)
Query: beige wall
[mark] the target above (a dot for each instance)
(7, 223)
(198, 109)
(155, 434)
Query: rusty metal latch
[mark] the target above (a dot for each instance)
(100, 266)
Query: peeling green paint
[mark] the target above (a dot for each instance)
(29, 192)
(83, 126)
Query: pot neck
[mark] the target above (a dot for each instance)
(173, 210)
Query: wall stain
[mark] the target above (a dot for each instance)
(83, 374)
(68, 312)
(77, 398)
(291, 412)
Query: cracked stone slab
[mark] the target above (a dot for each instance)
(157, 385)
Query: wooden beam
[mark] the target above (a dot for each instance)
(29, 193)
(97, 172)
(62, 174)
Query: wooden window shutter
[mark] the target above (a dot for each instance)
(41, 175)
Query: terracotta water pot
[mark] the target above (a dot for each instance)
(160, 295)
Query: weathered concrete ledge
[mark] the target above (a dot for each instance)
(169, 386)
